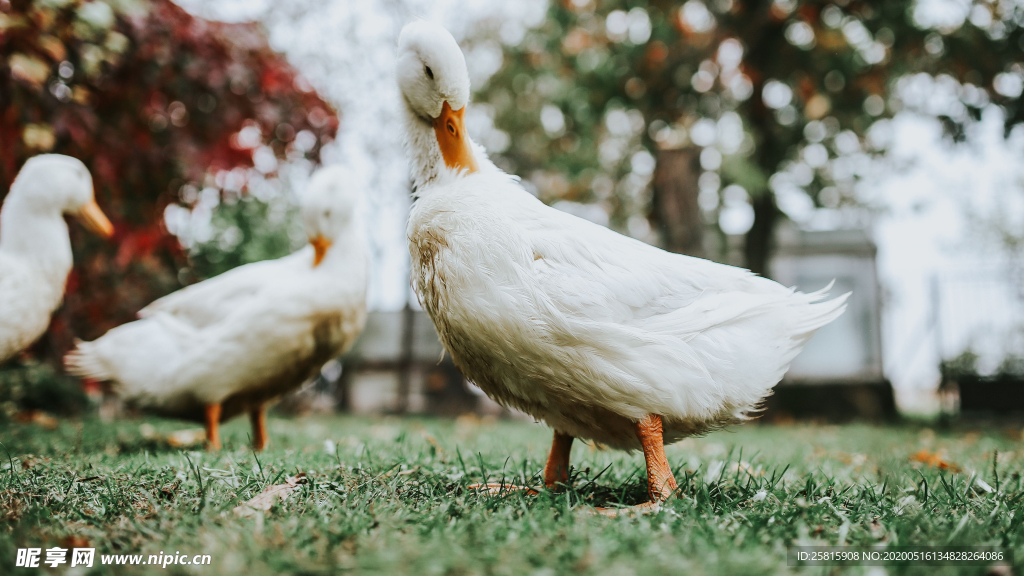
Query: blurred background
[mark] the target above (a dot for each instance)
(877, 143)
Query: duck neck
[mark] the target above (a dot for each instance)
(425, 159)
(41, 238)
(426, 162)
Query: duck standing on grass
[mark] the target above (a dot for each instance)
(599, 335)
(235, 342)
(35, 250)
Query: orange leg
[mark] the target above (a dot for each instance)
(660, 481)
(557, 469)
(258, 418)
(213, 426)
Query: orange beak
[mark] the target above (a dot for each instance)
(95, 220)
(320, 247)
(451, 137)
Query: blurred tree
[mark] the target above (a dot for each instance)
(778, 105)
(247, 230)
(164, 108)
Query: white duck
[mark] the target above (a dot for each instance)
(233, 343)
(600, 336)
(35, 251)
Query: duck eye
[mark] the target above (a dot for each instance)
(430, 73)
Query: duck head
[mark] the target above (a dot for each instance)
(53, 184)
(434, 81)
(329, 207)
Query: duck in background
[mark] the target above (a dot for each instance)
(238, 341)
(600, 336)
(35, 250)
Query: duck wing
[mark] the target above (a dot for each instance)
(213, 300)
(591, 272)
(653, 331)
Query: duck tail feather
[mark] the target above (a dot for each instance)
(84, 362)
(819, 312)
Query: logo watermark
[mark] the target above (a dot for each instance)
(86, 557)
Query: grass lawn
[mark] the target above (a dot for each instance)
(392, 498)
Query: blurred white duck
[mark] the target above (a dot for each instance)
(35, 251)
(600, 336)
(233, 343)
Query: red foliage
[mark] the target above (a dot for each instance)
(150, 100)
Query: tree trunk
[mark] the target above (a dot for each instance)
(758, 248)
(675, 201)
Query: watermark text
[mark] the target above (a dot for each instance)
(86, 557)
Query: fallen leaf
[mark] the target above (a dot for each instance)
(935, 460)
(29, 461)
(266, 499)
(74, 541)
(37, 417)
(433, 442)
